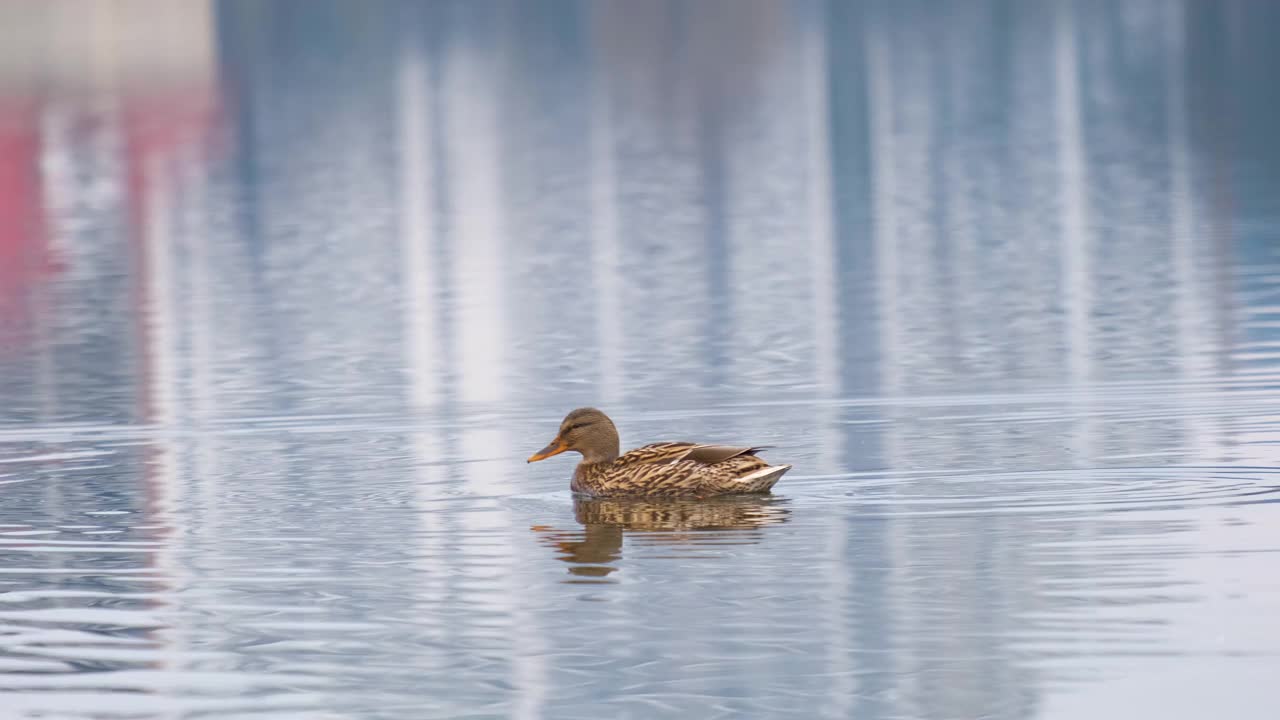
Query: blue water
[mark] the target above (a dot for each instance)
(290, 290)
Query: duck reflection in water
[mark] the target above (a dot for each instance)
(593, 551)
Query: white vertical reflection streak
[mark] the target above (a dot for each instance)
(53, 136)
(474, 161)
(417, 236)
(1191, 323)
(417, 240)
(822, 256)
(958, 181)
(203, 388)
(822, 251)
(880, 93)
(56, 154)
(162, 351)
(883, 151)
(471, 117)
(1076, 244)
(883, 191)
(604, 238)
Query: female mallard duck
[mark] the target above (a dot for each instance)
(667, 469)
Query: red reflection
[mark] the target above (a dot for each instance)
(24, 248)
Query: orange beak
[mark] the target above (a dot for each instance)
(556, 447)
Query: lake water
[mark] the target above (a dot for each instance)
(289, 291)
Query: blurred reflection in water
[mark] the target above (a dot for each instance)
(289, 289)
(593, 551)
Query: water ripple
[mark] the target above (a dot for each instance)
(1038, 491)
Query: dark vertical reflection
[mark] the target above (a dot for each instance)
(240, 41)
(845, 26)
(709, 55)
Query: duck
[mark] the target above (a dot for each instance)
(663, 469)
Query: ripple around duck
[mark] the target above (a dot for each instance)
(1075, 490)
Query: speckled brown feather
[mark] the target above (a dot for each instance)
(677, 469)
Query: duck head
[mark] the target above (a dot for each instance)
(587, 431)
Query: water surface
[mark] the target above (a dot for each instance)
(290, 290)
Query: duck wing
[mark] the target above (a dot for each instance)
(676, 469)
(669, 452)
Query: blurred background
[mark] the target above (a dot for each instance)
(288, 290)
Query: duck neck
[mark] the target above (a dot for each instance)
(601, 447)
(599, 456)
